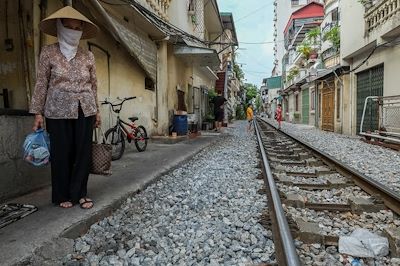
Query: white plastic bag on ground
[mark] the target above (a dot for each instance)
(364, 244)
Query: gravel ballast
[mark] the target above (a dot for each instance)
(206, 212)
(381, 164)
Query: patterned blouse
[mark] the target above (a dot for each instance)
(61, 85)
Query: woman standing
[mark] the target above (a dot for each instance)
(66, 95)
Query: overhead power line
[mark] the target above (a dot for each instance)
(252, 12)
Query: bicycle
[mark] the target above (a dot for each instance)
(116, 134)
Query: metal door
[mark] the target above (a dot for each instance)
(305, 105)
(369, 83)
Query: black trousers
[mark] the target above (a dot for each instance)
(70, 156)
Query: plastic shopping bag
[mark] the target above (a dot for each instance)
(37, 148)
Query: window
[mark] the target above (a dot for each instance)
(191, 6)
(149, 84)
(295, 2)
(312, 100)
(335, 15)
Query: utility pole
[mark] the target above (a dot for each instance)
(67, 2)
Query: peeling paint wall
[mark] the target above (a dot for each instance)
(12, 70)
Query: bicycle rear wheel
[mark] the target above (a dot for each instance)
(117, 140)
(141, 138)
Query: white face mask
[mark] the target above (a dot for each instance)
(68, 40)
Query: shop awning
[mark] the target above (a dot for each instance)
(327, 73)
(134, 37)
(198, 56)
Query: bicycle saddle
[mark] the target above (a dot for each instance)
(133, 118)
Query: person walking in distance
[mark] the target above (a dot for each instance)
(278, 115)
(66, 95)
(249, 115)
(219, 103)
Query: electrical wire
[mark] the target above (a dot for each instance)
(366, 59)
(253, 12)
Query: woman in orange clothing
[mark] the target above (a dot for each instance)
(249, 114)
(278, 115)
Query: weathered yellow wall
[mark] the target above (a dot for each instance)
(180, 75)
(162, 89)
(13, 75)
(126, 79)
(346, 105)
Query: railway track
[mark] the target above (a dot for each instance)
(314, 199)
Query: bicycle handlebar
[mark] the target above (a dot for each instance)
(118, 104)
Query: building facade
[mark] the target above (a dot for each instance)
(372, 51)
(158, 51)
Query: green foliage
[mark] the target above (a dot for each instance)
(251, 91)
(210, 116)
(240, 113)
(333, 35)
(211, 95)
(258, 103)
(238, 71)
(305, 49)
(313, 36)
(292, 73)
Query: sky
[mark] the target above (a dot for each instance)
(254, 24)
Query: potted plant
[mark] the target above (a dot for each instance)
(305, 49)
(333, 35)
(210, 119)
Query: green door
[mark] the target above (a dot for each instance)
(305, 105)
(369, 83)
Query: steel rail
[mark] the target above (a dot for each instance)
(286, 251)
(373, 187)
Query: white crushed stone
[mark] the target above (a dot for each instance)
(381, 164)
(206, 212)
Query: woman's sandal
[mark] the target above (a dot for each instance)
(66, 205)
(86, 201)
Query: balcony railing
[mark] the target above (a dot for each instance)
(160, 7)
(380, 13)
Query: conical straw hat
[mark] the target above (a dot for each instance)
(49, 24)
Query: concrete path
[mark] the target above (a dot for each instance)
(47, 231)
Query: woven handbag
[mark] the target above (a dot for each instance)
(101, 156)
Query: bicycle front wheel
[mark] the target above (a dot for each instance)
(141, 138)
(116, 138)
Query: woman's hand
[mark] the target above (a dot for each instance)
(38, 123)
(98, 120)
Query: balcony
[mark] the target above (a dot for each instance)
(159, 7)
(298, 79)
(383, 19)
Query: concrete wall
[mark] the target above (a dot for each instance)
(354, 40)
(346, 117)
(16, 64)
(126, 79)
(16, 176)
(312, 114)
(179, 16)
(125, 76)
(179, 76)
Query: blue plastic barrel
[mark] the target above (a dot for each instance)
(180, 124)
